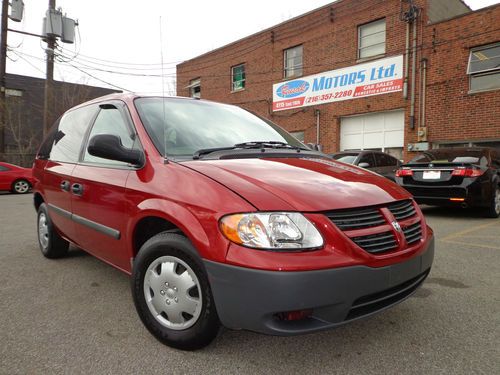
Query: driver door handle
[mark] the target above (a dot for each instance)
(65, 185)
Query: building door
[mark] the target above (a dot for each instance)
(380, 131)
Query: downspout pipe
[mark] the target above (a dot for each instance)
(422, 92)
(317, 112)
(413, 72)
(407, 59)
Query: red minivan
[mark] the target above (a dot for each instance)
(222, 217)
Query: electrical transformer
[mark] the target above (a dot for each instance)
(16, 10)
(68, 30)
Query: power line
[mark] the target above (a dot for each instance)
(125, 63)
(98, 79)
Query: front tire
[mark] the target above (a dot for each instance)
(494, 208)
(172, 294)
(21, 186)
(51, 244)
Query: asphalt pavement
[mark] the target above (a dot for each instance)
(76, 316)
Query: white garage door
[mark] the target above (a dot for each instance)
(382, 131)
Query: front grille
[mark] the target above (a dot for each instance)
(402, 210)
(413, 233)
(376, 243)
(356, 218)
(385, 240)
(378, 301)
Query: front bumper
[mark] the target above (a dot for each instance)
(251, 299)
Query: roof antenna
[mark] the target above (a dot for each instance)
(165, 159)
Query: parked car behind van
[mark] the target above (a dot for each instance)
(222, 217)
(15, 179)
(463, 177)
(375, 161)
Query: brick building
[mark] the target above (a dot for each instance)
(398, 76)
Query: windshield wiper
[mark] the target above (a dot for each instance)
(268, 144)
(205, 151)
(248, 145)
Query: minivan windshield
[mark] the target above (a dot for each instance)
(182, 127)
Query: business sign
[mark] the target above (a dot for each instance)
(358, 81)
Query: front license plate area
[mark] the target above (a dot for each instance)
(431, 175)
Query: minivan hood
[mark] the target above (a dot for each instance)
(300, 184)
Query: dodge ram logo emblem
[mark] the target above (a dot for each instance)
(396, 226)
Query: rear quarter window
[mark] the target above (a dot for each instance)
(67, 139)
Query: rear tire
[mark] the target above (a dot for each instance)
(51, 244)
(493, 210)
(172, 294)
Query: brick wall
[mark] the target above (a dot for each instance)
(454, 114)
(329, 38)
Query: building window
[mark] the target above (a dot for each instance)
(13, 92)
(293, 61)
(195, 88)
(238, 77)
(484, 68)
(299, 135)
(371, 39)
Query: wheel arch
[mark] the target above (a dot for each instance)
(156, 215)
(38, 200)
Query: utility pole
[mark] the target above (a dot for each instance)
(49, 80)
(3, 62)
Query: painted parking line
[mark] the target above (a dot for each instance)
(470, 244)
(469, 230)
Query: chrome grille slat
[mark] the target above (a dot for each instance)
(371, 245)
(413, 233)
(363, 240)
(376, 243)
(356, 218)
(402, 210)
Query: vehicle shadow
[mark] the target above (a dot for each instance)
(6, 192)
(76, 252)
(452, 212)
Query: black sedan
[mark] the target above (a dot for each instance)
(375, 161)
(467, 177)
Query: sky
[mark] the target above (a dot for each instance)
(120, 43)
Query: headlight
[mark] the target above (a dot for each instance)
(271, 230)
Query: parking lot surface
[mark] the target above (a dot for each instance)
(76, 315)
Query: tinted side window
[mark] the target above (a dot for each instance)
(367, 158)
(70, 133)
(385, 160)
(3, 169)
(110, 121)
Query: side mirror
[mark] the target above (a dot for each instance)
(364, 165)
(110, 147)
(314, 146)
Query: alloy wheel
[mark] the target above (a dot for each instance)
(21, 187)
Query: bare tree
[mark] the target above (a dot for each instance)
(21, 138)
(24, 118)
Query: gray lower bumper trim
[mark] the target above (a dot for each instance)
(250, 299)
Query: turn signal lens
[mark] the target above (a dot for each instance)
(404, 172)
(467, 172)
(271, 230)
